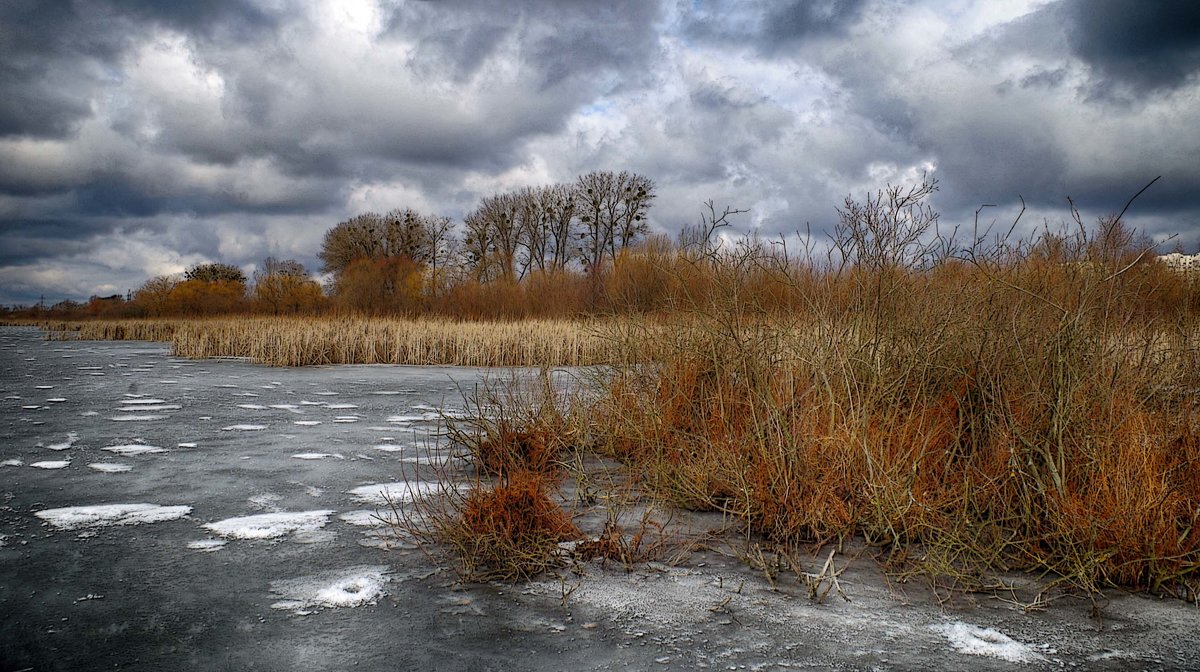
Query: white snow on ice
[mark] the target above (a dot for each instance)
(252, 407)
(243, 428)
(137, 418)
(382, 493)
(976, 641)
(134, 449)
(141, 402)
(344, 588)
(72, 437)
(51, 464)
(341, 406)
(74, 517)
(306, 423)
(316, 456)
(150, 407)
(389, 447)
(271, 525)
(110, 467)
(369, 518)
(11, 463)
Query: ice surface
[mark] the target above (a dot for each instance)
(343, 588)
(137, 418)
(252, 407)
(243, 428)
(316, 456)
(56, 400)
(110, 467)
(977, 641)
(383, 493)
(306, 423)
(341, 406)
(51, 464)
(74, 517)
(389, 447)
(142, 402)
(134, 449)
(270, 525)
(188, 444)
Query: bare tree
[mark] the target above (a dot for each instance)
(493, 238)
(283, 285)
(558, 208)
(215, 272)
(612, 210)
(361, 236)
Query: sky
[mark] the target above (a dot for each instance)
(138, 138)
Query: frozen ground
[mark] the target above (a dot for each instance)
(163, 514)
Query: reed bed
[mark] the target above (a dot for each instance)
(288, 341)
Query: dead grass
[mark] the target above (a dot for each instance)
(295, 341)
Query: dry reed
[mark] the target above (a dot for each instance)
(298, 341)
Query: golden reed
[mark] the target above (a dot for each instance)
(305, 341)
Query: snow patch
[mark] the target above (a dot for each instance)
(11, 463)
(72, 437)
(74, 517)
(316, 456)
(110, 467)
(270, 525)
(344, 588)
(141, 402)
(306, 423)
(383, 493)
(137, 418)
(976, 641)
(207, 545)
(51, 464)
(150, 407)
(243, 428)
(134, 449)
(252, 407)
(341, 406)
(389, 447)
(369, 518)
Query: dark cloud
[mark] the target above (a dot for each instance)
(138, 137)
(770, 26)
(801, 19)
(1145, 46)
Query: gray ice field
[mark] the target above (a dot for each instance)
(164, 514)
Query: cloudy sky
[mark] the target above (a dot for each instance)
(139, 137)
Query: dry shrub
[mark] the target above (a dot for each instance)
(519, 424)
(510, 531)
(1014, 405)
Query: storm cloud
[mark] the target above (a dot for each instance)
(137, 138)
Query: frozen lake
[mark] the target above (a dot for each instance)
(160, 514)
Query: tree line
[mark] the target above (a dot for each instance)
(551, 243)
